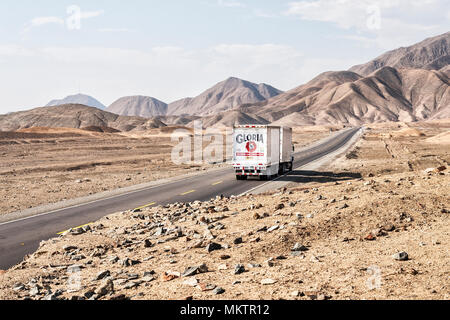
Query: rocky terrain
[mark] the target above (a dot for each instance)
(376, 227)
(139, 106)
(74, 116)
(407, 84)
(430, 54)
(78, 99)
(345, 97)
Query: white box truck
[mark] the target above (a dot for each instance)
(262, 150)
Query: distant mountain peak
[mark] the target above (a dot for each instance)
(79, 98)
(431, 54)
(141, 106)
(224, 96)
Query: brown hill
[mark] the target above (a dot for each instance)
(139, 106)
(432, 53)
(347, 98)
(178, 120)
(224, 96)
(230, 118)
(407, 84)
(443, 138)
(74, 116)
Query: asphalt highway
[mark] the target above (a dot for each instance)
(21, 237)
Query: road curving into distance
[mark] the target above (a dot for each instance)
(21, 237)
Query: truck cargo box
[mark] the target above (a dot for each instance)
(286, 150)
(257, 150)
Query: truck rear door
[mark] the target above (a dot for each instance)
(250, 146)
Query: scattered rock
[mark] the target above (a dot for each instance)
(69, 248)
(113, 259)
(131, 285)
(213, 247)
(74, 268)
(295, 293)
(388, 227)
(238, 240)
(206, 287)
(147, 243)
(77, 232)
(51, 297)
(401, 256)
(267, 282)
(370, 237)
(19, 287)
(192, 282)
(218, 291)
(105, 288)
(35, 290)
(270, 262)
(102, 275)
(169, 276)
(191, 271)
(239, 269)
(299, 247)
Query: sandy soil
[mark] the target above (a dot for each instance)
(46, 165)
(348, 230)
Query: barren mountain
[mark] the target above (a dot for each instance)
(178, 120)
(224, 96)
(432, 54)
(446, 70)
(78, 99)
(139, 106)
(74, 116)
(230, 118)
(347, 98)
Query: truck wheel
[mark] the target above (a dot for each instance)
(263, 178)
(281, 169)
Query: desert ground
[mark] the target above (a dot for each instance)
(40, 166)
(373, 225)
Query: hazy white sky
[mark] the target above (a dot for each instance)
(176, 48)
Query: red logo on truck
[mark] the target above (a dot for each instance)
(251, 146)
